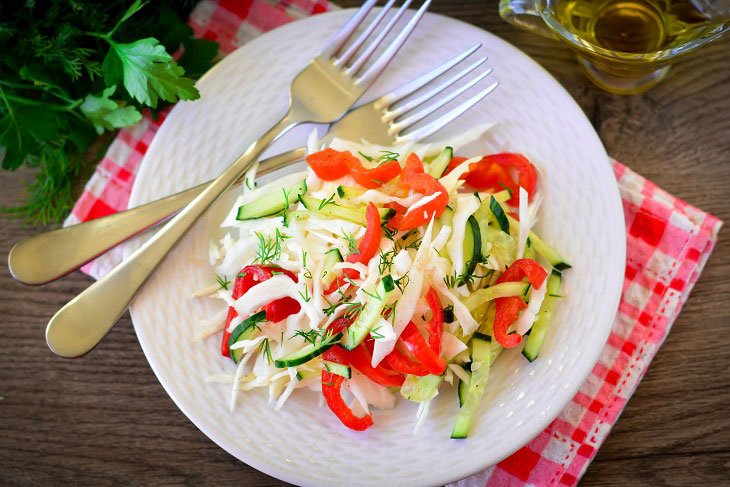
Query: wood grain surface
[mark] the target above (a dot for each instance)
(105, 419)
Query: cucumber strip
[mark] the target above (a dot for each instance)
(480, 365)
(503, 196)
(463, 389)
(472, 246)
(349, 192)
(273, 203)
(369, 314)
(449, 314)
(440, 163)
(542, 248)
(419, 389)
(332, 257)
(338, 369)
(333, 210)
(501, 290)
(499, 215)
(296, 215)
(539, 328)
(483, 354)
(244, 331)
(308, 352)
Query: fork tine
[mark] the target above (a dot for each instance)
(343, 35)
(411, 104)
(363, 58)
(418, 83)
(429, 109)
(355, 46)
(384, 58)
(428, 129)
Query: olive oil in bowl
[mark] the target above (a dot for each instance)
(624, 46)
(634, 26)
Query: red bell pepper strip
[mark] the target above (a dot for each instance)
(400, 363)
(493, 172)
(331, 384)
(508, 309)
(275, 311)
(367, 247)
(361, 360)
(413, 177)
(336, 354)
(436, 325)
(375, 177)
(370, 243)
(417, 345)
(330, 164)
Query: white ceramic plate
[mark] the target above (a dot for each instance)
(304, 443)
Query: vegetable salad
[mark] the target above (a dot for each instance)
(381, 272)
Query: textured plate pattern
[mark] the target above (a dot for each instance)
(304, 443)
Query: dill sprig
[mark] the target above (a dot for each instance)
(374, 333)
(328, 201)
(351, 243)
(402, 282)
(264, 348)
(388, 156)
(269, 249)
(223, 282)
(465, 277)
(325, 337)
(386, 261)
(367, 158)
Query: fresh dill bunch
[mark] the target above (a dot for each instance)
(66, 79)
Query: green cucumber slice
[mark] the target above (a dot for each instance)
(472, 253)
(440, 163)
(333, 210)
(244, 331)
(419, 389)
(463, 389)
(328, 275)
(481, 357)
(273, 203)
(539, 328)
(307, 353)
(369, 314)
(349, 192)
(338, 369)
(499, 215)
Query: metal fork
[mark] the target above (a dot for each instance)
(64, 250)
(321, 93)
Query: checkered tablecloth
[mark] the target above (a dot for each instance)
(668, 244)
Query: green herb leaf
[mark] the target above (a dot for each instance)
(108, 114)
(148, 72)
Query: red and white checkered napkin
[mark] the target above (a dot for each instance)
(668, 244)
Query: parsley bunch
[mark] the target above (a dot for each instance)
(72, 70)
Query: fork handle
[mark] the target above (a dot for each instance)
(49, 256)
(81, 324)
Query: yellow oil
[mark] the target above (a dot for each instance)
(633, 26)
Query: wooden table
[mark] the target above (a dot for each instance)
(106, 420)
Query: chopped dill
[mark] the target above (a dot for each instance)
(328, 201)
(223, 282)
